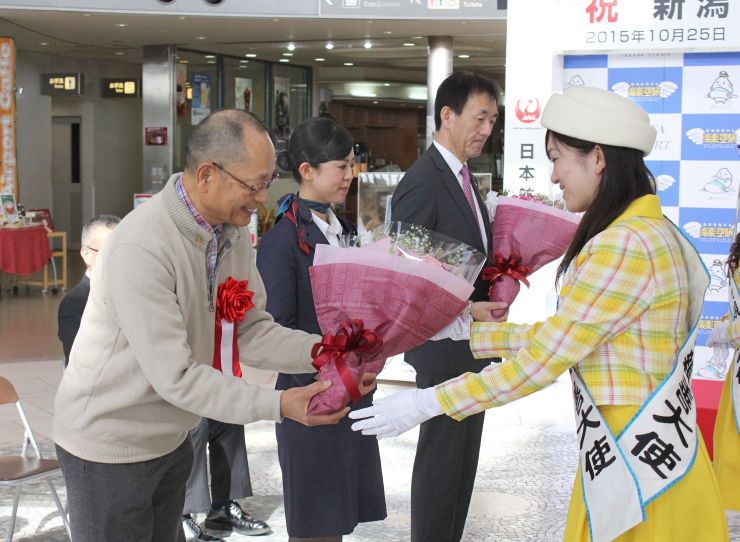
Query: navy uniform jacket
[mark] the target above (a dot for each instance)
(284, 270)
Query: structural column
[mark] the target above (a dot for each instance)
(439, 66)
(158, 111)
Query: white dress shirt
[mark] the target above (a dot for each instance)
(456, 165)
(332, 229)
(459, 329)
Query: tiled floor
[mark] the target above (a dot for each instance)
(527, 462)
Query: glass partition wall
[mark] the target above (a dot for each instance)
(244, 85)
(276, 93)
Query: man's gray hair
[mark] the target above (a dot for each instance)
(99, 221)
(220, 138)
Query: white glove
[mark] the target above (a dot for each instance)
(390, 416)
(718, 335)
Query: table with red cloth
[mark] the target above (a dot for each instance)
(707, 394)
(24, 250)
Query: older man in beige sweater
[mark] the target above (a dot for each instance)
(141, 370)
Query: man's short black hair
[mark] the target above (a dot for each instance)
(455, 91)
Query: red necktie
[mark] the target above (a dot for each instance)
(468, 189)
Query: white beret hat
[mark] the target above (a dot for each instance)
(599, 116)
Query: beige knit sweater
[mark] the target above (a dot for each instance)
(140, 374)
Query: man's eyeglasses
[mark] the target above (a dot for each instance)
(264, 185)
(92, 249)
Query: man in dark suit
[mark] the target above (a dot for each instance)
(73, 304)
(439, 193)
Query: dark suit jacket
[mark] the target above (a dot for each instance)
(430, 195)
(284, 270)
(70, 314)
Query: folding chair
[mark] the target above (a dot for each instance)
(15, 470)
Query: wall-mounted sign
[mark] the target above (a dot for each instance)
(120, 88)
(8, 171)
(590, 25)
(61, 84)
(200, 105)
(9, 211)
(155, 135)
(427, 9)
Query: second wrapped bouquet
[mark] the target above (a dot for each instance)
(527, 234)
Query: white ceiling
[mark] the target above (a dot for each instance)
(120, 37)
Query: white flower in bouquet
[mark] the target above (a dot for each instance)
(491, 201)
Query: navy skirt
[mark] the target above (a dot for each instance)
(332, 478)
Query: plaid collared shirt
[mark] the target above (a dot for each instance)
(621, 318)
(214, 231)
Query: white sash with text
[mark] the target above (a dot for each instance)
(622, 475)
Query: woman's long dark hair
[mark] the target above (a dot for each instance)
(625, 179)
(315, 141)
(734, 257)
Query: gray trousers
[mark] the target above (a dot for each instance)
(121, 502)
(444, 470)
(228, 465)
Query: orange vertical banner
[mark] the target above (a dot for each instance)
(8, 166)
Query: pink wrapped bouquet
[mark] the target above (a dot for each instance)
(527, 234)
(382, 299)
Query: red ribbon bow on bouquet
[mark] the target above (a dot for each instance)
(232, 303)
(506, 267)
(352, 337)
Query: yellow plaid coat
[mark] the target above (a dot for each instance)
(621, 319)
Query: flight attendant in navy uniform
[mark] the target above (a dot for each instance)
(332, 477)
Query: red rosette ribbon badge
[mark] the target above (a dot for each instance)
(232, 303)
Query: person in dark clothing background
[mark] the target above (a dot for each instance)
(73, 304)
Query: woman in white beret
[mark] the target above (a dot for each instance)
(631, 290)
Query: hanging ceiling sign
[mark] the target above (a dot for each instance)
(377, 9)
(424, 9)
(61, 84)
(216, 8)
(120, 88)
